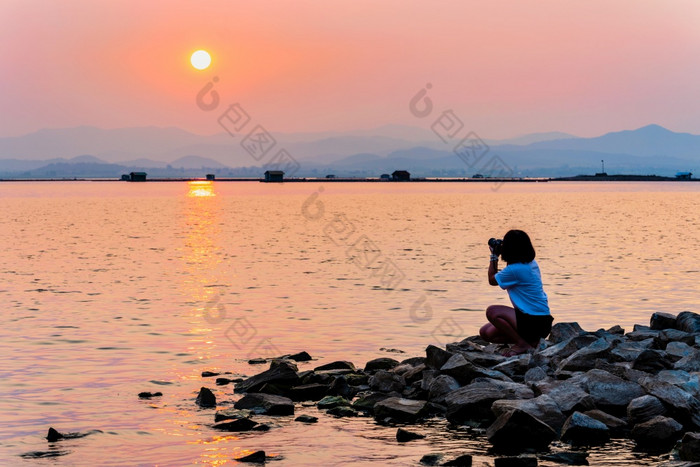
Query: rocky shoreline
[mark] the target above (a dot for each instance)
(580, 388)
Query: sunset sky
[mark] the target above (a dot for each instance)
(507, 68)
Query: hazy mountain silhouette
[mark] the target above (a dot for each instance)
(650, 149)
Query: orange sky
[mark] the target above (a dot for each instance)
(505, 67)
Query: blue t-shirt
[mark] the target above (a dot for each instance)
(524, 285)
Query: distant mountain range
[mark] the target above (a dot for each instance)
(94, 152)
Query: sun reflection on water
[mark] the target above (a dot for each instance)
(201, 188)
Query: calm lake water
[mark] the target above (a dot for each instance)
(110, 289)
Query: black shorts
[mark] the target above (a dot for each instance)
(533, 327)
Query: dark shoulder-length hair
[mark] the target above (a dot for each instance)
(517, 247)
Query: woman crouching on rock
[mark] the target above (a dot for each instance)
(529, 319)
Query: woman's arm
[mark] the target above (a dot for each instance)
(493, 269)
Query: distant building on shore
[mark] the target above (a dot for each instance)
(385, 177)
(401, 176)
(137, 176)
(211, 177)
(684, 175)
(274, 176)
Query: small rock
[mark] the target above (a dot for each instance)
(308, 392)
(338, 365)
(616, 425)
(148, 395)
(54, 435)
(207, 374)
(519, 461)
(382, 363)
(342, 411)
(329, 402)
(257, 361)
(300, 357)
(582, 429)
(261, 427)
(222, 381)
(231, 414)
(206, 398)
(241, 424)
(441, 386)
(464, 460)
(403, 436)
(306, 419)
(535, 374)
(543, 408)
(340, 387)
(431, 459)
(268, 404)
(367, 402)
(258, 457)
(660, 321)
(690, 363)
(690, 447)
(584, 359)
(659, 432)
(281, 372)
(567, 457)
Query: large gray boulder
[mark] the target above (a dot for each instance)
(465, 371)
(516, 431)
(473, 402)
(441, 386)
(582, 429)
(584, 359)
(681, 404)
(689, 363)
(400, 410)
(609, 392)
(644, 408)
(659, 432)
(652, 361)
(435, 357)
(628, 351)
(542, 408)
(569, 397)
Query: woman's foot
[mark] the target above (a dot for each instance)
(517, 350)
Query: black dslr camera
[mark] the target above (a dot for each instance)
(496, 244)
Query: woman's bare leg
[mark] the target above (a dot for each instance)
(502, 328)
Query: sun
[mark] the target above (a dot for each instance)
(201, 59)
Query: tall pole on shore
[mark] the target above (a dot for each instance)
(602, 161)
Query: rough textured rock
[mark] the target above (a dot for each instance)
(299, 357)
(542, 408)
(382, 363)
(435, 357)
(342, 411)
(617, 426)
(514, 367)
(688, 321)
(149, 395)
(564, 331)
(400, 410)
(308, 392)
(584, 359)
(644, 408)
(689, 449)
(473, 402)
(568, 397)
(440, 387)
(283, 372)
(610, 393)
(689, 363)
(652, 361)
(403, 436)
(268, 404)
(629, 351)
(231, 414)
(367, 402)
(329, 402)
(535, 374)
(386, 381)
(465, 371)
(660, 321)
(516, 431)
(432, 459)
(205, 398)
(582, 429)
(658, 432)
(681, 404)
(567, 457)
